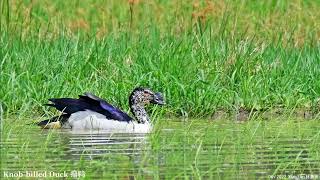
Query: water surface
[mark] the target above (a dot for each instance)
(176, 148)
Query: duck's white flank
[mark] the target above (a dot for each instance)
(95, 121)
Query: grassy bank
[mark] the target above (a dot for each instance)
(204, 56)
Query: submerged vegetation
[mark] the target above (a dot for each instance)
(206, 56)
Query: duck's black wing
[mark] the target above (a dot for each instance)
(109, 110)
(91, 102)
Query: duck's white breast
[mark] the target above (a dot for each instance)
(92, 120)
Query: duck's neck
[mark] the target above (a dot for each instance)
(140, 113)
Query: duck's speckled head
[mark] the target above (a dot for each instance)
(141, 97)
(144, 96)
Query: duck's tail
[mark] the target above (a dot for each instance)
(55, 122)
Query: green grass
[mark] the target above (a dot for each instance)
(209, 58)
(203, 56)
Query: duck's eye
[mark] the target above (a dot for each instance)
(147, 93)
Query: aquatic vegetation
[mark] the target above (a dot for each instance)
(177, 149)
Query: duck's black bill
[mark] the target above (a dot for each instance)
(158, 99)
